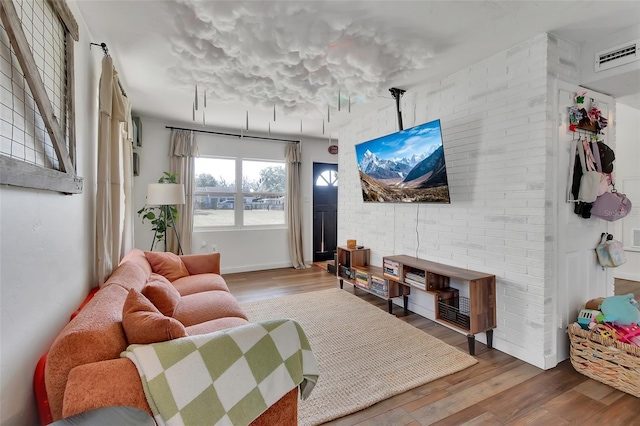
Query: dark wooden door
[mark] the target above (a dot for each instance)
(325, 211)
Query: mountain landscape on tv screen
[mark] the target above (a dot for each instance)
(420, 176)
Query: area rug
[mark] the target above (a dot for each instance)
(365, 355)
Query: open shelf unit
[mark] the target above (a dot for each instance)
(471, 315)
(353, 267)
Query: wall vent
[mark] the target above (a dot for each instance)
(617, 55)
(636, 238)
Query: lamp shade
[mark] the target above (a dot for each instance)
(165, 194)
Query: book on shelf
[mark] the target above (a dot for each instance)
(378, 280)
(415, 283)
(378, 291)
(383, 284)
(390, 267)
(393, 272)
(362, 285)
(416, 276)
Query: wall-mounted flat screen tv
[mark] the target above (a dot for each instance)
(404, 167)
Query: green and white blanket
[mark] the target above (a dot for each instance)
(229, 377)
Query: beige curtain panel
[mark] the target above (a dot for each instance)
(183, 149)
(114, 215)
(293, 157)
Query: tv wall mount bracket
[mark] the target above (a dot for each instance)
(397, 94)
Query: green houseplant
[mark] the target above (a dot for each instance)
(162, 217)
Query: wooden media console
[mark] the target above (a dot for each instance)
(399, 274)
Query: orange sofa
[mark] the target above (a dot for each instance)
(84, 370)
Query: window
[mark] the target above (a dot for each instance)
(258, 201)
(215, 188)
(263, 190)
(327, 178)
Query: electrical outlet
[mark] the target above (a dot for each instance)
(214, 248)
(203, 244)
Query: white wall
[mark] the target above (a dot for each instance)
(497, 142)
(627, 177)
(46, 253)
(241, 249)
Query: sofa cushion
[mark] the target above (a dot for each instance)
(114, 382)
(209, 305)
(162, 294)
(202, 263)
(95, 334)
(128, 275)
(199, 283)
(215, 325)
(137, 257)
(143, 323)
(167, 264)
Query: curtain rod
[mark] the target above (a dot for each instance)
(232, 134)
(105, 50)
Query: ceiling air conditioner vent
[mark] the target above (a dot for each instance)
(618, 55)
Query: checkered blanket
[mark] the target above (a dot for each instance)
(229, 377)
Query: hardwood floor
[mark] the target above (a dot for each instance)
(626, 287)
(499, 390)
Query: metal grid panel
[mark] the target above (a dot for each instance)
(23, 135)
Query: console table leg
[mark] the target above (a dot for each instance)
(490, 338)
(390, 306)
(406, 303)
(471, 340)
(341, 283)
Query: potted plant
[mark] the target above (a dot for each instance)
(162, 215)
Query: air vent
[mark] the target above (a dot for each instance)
(636, 238)
(618, 55)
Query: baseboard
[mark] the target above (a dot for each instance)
(251, 268)
(498, 344)
(626, 276)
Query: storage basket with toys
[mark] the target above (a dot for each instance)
(605, 342)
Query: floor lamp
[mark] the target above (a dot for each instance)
(166, 195)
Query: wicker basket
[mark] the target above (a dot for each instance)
(606, 360)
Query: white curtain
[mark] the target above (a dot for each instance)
(114, 208)
(293, 157)
(183, 149)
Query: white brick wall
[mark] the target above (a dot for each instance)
(497, 141)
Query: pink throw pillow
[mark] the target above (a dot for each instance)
(162, 294)
(167, 264)
(144, 324)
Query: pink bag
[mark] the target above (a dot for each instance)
(611, 206)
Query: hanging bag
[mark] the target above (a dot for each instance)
(604, 177)
(610, 252)
(611, 206)
(590, 180)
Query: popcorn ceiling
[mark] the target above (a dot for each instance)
(289, 54)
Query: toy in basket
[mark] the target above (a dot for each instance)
(628, 333)
(608, 349)
(588, 317)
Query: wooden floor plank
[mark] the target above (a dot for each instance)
(473, 394)
(599, 392)
(524, 397)
(499, 390)
(538, 416)
(574, 407)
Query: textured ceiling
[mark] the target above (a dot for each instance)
(284, 65)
